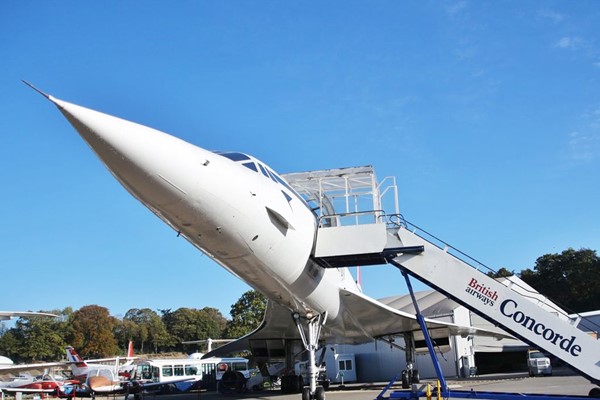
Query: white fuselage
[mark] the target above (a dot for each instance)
(248, 220)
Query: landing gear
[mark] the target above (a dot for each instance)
(409, 376)
(320, 393)
(310, 338)
(306, 393)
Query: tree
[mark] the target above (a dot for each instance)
(140, 318)
(10, 345)
(186, 324)
(124, 331)
(501, 273)
(41, 338)
(246, 314)
(571, 279)
(148, 328)
(91, 332)
(36, 338)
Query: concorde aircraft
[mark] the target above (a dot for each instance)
(247, 218)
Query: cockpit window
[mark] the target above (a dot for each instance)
(287, 196)
(280, 180)
(263, 170)
(250, 165)
(272, 176)
(235, 156)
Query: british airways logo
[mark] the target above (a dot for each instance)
(483, 293)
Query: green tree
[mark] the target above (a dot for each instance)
(91, 332)
(571, 279)
(191, 324)
(125, 331)
(41, 338)
(246, 314)
(35, 338)
(501, 273)
(148, 328)
(10, 345)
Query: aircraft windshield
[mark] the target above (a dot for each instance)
(235, 156)
(259, 168)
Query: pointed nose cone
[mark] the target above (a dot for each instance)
(143, 159)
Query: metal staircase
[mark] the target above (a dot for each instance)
(354, 230)
(532, 319)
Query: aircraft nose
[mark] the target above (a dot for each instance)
(143, 159)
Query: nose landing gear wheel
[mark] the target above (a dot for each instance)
(319, 393)
(306, 393)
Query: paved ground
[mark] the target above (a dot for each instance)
(561, 382)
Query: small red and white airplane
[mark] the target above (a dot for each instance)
(100, 378)
(44, 383)
(87, 376)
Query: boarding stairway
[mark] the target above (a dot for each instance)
(354, 230)
(526, 315)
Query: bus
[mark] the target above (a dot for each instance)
(182, 374)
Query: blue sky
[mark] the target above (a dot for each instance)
(487, 113)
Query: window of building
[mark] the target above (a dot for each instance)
(345, 365)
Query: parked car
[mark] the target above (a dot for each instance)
(538, 363)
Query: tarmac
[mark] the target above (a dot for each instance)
(563, 382)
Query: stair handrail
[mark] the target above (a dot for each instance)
(398, 220)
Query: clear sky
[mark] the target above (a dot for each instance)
(487, 113)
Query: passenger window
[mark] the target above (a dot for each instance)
(191, 370)
(178, 370)
(250, 165)
(107, 373)
(167, 370)
(239, 366)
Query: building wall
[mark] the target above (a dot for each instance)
(379, 362)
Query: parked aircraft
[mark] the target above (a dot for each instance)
(5, 361)
(32, 384)
(88, 377)
(6, 315)
(100, 378)
(104, 379)
(247, 218)
(209, 342)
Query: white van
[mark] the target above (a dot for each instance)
(538, 363)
